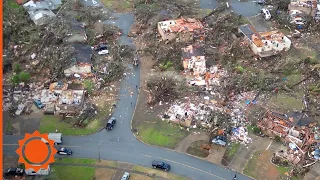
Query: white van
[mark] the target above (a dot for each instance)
(42, 171)
(266, 14)
(56, 137)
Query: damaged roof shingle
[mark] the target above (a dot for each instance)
(82, 53)
(192, 50)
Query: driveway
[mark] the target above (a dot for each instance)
(121, 145)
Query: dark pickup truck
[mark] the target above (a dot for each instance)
(160, 165)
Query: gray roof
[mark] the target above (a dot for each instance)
(197, 51)
(245, 29)
(82, 53)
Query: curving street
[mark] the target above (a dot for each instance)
(121, 145)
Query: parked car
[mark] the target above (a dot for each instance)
(160, 165)
(260, 1)
(64, 151)
(111, 123)
(220, 140)
(38, 103)
(266, 14)
(102, 49)
(14, 171)
(125, 176)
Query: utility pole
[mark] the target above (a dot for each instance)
(99, 150)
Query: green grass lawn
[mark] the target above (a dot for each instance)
(161, 133)
(49, 124)
(74, 172)
(68, 160)
(231, 150)
(285, 102)
(118, 5)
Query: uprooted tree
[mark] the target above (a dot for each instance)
(164, 88)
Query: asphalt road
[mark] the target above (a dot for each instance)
(121, 145)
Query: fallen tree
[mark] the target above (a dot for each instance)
(164, 88)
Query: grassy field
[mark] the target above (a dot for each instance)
(161, 133)
(75, 161)
(260, 167)
(284, 102)
(118, 5)
(74, 172)
(51, 123)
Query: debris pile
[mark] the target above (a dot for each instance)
(240, 134)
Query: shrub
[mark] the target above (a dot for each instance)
(89, 86)
(17, 68)
(15, 79)
(24, 76)
(277, 138)
(256, 130)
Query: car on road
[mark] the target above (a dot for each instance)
(14, 171)
(38, 103)
(160, 165)
(125, 176)
(64, 151)
(266, 14)
(111, 123)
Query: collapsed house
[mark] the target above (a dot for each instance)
(58, 99)
(265, 44)
(41, 11)
(80, 63)
(77, 33)
(183, 29)
(194, 60)
(293, 127)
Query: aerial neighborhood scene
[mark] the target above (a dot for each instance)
(161, 89)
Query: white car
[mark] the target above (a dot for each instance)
(102, 49)
(298, 21)
(125, 176)
(266, 14)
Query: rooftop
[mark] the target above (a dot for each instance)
(261, 38)
(181, 25)
(82, 54)
(192, 50)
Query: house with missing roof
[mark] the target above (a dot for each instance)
(193, 59)
(183, 29)
(265, 44)
(40, 11)
(293, 127)
(80, 63)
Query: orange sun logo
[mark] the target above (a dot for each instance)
(34, 152)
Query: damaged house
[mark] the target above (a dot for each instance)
(194, 60)
(41, 11)
(293, 127)
(265, 44)
(184, 29)
(81, 62)
(58, 99)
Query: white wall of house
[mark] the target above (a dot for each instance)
(164, 26)
(42, 171)
(78, 70)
